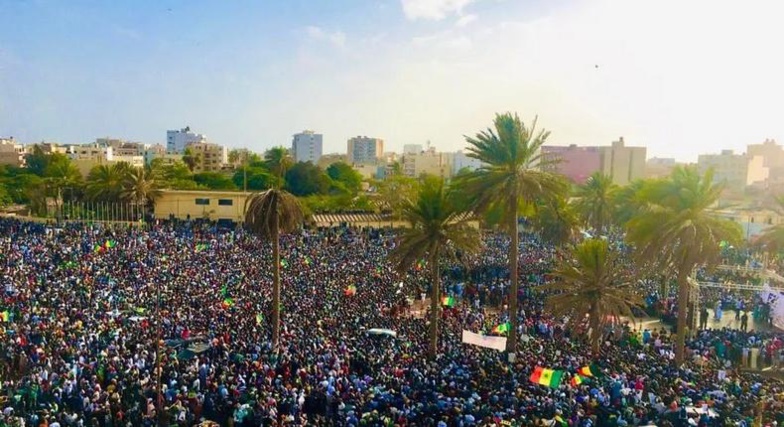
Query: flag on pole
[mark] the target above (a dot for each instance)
(5, 315)
(225, 291)
(546, 377)
(227, 303)
(350, 290)
(503, 328)
(259, 318)
(448, 301)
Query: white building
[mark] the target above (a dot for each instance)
(412, 149)
(736, 171)
(364, 150)
(306, 146)
(460, 161)
(177, 140)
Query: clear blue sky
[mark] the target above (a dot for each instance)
(251, 73)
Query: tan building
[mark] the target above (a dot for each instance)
(659, 167)
(773, 155)
(210, 157)
(736, 171)
(621, 163)
(328, 159)
(11, 153)
(213, 205)
(428, 162)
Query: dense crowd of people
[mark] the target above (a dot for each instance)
(170, 323)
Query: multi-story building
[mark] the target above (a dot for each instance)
(621, 163)
(427, 162)
(209, 157)
(327, 159)
(306, 146)
(177, 140)
(412, 149)
(658, 167)
(364, 150)
(11, 153)
(573, 162)
(773, 159)
(460, 161)
(736, 171)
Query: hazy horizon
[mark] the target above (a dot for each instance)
(682, 78)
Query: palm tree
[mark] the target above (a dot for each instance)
(594, 201)
(278, 161)
(140, 186)
(105, 182)
(511, 173)
(556, 222)
(675, 231)
(626, 202)
(62, 174)
(592, 283)
(268, 214)
(437, 230)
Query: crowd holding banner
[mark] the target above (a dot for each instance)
(83, 330)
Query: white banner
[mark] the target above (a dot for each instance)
(496, 343)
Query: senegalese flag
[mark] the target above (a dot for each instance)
(284, 263)
(420, 264)
(259, 319)
(448, 301)
(5, 315)
(503, 328)
(97, 248)
(547, 377)
(227, 303)
(577, 380)
(350, 290)
(225, 291)
(201, 246)
(589, 371)
(110, 244)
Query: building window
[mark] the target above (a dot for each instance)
(202, 201)
(225, 202)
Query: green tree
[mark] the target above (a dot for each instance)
(593, 283)
(61, 174)
(555, 221)
(305, 179)
(191, 158)
(268, 214)
(258, 178)
(345, 177)
(214, 181)
(141, 187)
(594, 202)
(627, 203)
(278, 161)
(511, 174)
(396, 191)
(5, 196)
(37, 161)
(436, 231)
(105, 182)
(675, 231)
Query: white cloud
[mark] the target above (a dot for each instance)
(336, 38)
(465, 20)
(433, 9)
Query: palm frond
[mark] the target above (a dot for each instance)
(271, 209)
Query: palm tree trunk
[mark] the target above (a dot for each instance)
(275, 280)
(511, 343)
(435, 305)
(683, 306)
(596, 332)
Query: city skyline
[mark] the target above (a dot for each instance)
(662, 75)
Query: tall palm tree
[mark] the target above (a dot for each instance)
(556, 222)
(268, 214)
(140, 187)
(594, 201)
(437, 230)
(592, 283)
(626, 202)
(61, 174)
(105, 182)
(278, 161)
(511, 173)
(676, 231)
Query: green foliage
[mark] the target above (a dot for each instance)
(344, 177)
(5, 196)
(395, 191)
(37, 161)
(593, 283)
(594, 202)
(555, 221)
(259, 178)
(319, 203)
(214, 181)
(305, 179)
